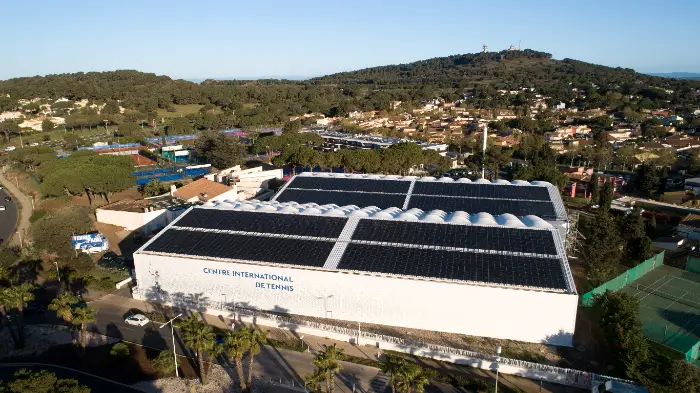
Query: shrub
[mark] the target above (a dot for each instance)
(120, 350)
(37, 215)
(164, 363)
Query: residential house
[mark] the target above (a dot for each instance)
(10, 115)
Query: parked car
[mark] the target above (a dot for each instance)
(137, 319)
(8, 199)
(219, 338)
(2, 208)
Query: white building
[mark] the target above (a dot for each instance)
(250, 181)
(10, 115)
(464, 273)
(145, 215)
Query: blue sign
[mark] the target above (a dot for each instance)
(88, 240)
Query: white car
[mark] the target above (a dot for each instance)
(10, 148)
(137, 319)
(2, 208)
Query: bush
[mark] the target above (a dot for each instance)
(164, 363)
(120, 350)
(105, 283)
(37, 215)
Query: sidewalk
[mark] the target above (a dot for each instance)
(24, 213)
(118, 300)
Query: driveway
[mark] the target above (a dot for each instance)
(8, 218)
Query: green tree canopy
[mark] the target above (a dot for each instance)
(220, 150)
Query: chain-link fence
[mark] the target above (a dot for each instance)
(625, 278)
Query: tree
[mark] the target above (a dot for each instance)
(601, 247)
(292, 126)
(81, 317)
(624, 156)
(413, 379)
(153, 188)
(236, 343)
(164, 363)
(595, 188)
(19, 295)
(315, 381)
(5, 305)
(220, 150)
(634, 233)
(129, 130)
(63, 305)
(394, 367)
(327, 362)
(255, 338)
(684, 377)
(43, 381)
(647, 178)
(8, 127)
(620, 321)
(199, 337)
(606, 196)
(46, 125)
(653, 128)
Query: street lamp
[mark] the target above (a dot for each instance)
(224, 295)
(58, 274)
(172, 333)
(498, 359)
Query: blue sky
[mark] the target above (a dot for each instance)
(203, 39)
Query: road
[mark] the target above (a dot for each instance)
(95, 383)
(8, 218)
(25, 213)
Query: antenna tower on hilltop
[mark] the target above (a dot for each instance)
(485, 48)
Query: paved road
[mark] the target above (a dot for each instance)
(8, 218)
(24, 200)
(96, 384)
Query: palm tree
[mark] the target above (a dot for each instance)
(236, 344)
(314, 381)
(4, 302)
(63, 305)
(19, 295)
(327, 362)
(82, 316)
(255, 337)
(200, 337)
(412, 380)
(394, 367)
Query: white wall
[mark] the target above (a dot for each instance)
(147, 221)
(450, 307)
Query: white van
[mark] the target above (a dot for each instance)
(10, 148)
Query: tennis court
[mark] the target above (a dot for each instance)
(669, 301)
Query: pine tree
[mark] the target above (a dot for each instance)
(601, 248)
(620, 321)
(606, 196)
(595, 188)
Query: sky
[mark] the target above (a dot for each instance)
(275, 38)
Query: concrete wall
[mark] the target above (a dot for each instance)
(506, 313)
(146, 221)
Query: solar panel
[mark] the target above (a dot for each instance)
(249, 248)
(316, 226)
(501, 191)
(455, 265)
(544, 210)
(459, 236)
(340, 184)
(340, 198)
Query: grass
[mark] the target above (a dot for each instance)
(181, 110)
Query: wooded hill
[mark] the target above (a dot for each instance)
(270, 101)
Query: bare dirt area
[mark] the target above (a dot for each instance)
(98, 200)
(119, 240)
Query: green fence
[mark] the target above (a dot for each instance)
(625, 278)
(694, 353)
(693, 264)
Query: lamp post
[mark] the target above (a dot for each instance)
(58, 274)
(172, 332)
(498, 359)
(224, 295)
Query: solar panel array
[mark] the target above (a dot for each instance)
(519, 200)
(497, 255)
